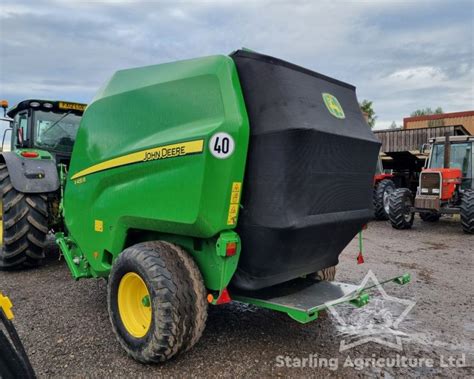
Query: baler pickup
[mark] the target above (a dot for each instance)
(303, 299)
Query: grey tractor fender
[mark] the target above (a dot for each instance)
(31, 175)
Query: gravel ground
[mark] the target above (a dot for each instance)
(65, 327)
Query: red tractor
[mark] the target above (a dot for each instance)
(383, 188)
(446, 186)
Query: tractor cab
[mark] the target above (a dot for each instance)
(40, 126)
(461, 157)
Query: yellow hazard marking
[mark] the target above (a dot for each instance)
(234, 197)
(6, 305)
(160, 152)
(234, 203)
(72, 106)
(236, 186)
(99, 226)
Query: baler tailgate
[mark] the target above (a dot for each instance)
(302, 299)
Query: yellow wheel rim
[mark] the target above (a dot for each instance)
(134, 305)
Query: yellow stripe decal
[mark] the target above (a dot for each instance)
(160, 152)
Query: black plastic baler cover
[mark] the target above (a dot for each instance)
(309, 176)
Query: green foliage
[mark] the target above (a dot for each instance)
(366, 107)
(426, 112)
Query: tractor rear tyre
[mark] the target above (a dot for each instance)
(467, 211)
(430, 216)
(156, 301)
(400, 214)
(381, 198)
(23, 229)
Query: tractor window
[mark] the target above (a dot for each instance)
(56, 131)
(21, 135)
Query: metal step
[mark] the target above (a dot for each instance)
(302, 299)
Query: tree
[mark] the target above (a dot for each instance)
(393, 125)
(366, 107)
(426, 112)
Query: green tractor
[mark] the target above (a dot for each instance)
(42, 136)
(222, 178)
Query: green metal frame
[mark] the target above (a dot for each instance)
(216, 268)
(359, 298)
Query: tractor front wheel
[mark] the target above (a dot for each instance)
(382, 198)
(467, 211)
(156, 301)
(24, 225)
(400, 214)
(430, 216)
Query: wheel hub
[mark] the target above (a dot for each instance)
(407, 211)
(134, 305)
(386, 199)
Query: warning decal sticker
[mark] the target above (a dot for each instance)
(234, 203)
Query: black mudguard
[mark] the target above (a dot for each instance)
(31, 175)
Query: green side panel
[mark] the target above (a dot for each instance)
(121, 179)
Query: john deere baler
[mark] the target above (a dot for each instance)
(211, 179)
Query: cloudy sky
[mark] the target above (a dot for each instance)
(402, 55)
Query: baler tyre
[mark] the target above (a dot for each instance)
(326, 274)
(152, 301)
(467, 211)
(400, 214)
(430, 216)
(381, 198)
(23, 227)
(200, 298)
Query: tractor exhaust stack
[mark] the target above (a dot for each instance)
(447, 151)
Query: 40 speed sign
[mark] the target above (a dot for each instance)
(221, 145)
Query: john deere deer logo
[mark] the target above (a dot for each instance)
(333, 106)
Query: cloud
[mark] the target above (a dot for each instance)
(423, 75)
(403, 55)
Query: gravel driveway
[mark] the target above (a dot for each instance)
(66, 331)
